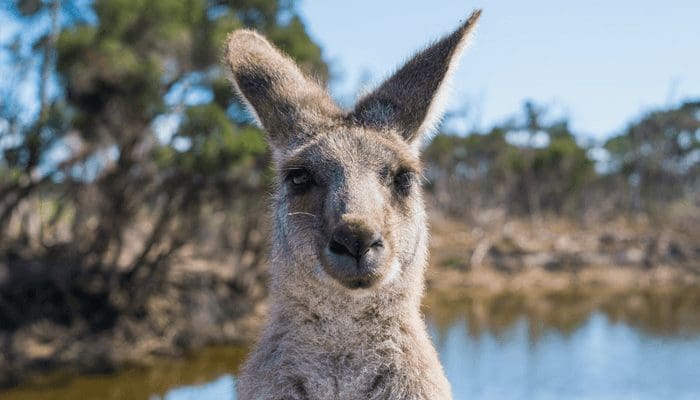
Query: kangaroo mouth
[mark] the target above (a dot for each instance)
(352, 280)
(353, 273)
(360, 283)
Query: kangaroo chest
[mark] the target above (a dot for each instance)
(345, 375)
(354, 364)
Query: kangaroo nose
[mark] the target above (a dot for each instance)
(354, 241)
(356, 254)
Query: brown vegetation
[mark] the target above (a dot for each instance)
(498, 254)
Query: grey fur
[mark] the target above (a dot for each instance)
(324, 340)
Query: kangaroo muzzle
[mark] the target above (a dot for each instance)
(355, 254)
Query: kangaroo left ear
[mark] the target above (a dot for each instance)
(412, 101)
(283, 101)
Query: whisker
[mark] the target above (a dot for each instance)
(301, 213)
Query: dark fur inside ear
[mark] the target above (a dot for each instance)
(284, 102)
(412, 100)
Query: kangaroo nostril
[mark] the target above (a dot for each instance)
(371, 244)
(339, 248)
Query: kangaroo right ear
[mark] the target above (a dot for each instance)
(283, 101)
(413, 99)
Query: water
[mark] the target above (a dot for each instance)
(600, 360)
(583, 346)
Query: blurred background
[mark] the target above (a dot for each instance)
(563, 190)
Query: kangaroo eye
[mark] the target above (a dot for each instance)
(300, 179)
(403, 181)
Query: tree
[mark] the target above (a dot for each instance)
(153, 141)
(30, 141)
(658, 157)
(525, 167)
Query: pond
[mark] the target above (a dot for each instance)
(510, 346)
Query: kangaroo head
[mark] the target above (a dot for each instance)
(348, 200)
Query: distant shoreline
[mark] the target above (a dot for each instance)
(518, 255)
(537, 279)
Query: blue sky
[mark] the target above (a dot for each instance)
(601, 63)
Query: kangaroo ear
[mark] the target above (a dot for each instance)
(412, 100)
(283, 101)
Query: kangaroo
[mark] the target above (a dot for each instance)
(349, 241)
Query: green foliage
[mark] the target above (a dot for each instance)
(216, 145)
(562, 169)
(658, 157)
(487, 170)
(136, 63)
(655, 162)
